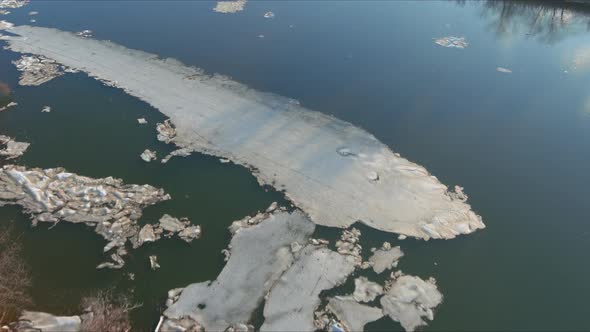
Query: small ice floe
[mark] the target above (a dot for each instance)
(227, 7)
(46, 109)
(402, 237)
(261, 36)
(4, 12)
(142, 121)
(451, 41)
(33, 13)
(224, 161)
(503, 70)
(183, 152)
(84, 33)
(154, 262)
(32, 20)
(181, 227)
(148, 155)
(9, 105)
(385, 258)
(269, 14)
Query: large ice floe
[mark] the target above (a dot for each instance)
(109, 206)
(337, 173)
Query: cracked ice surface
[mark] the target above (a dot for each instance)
(260, 253)
(295, 296)
(337, 173)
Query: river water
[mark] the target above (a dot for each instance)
(518, 142)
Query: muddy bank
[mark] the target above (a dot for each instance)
(337, 173)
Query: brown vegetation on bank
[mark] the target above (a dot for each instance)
(107, 312)
(15, 279)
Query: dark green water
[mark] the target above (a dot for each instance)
(519, 143)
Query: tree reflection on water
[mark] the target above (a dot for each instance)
(547, 21)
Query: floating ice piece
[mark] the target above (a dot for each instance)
(147, 234)
(10, 149)
(142, 121)
(385, 258)
(148, 155)
(31, 13)
(171, 224)
(183, 152)
(503, 70)
(9, 105)
(84, 33)
(353, 314)
(46, 109)
(410, 300)
(181, 227)
(451, 41)
(260, 253)
(269, 14)
(154, 262)
(32, 20)
(301, 161)
(4, 12)
(226, 7)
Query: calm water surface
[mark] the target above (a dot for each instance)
(518, 142)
